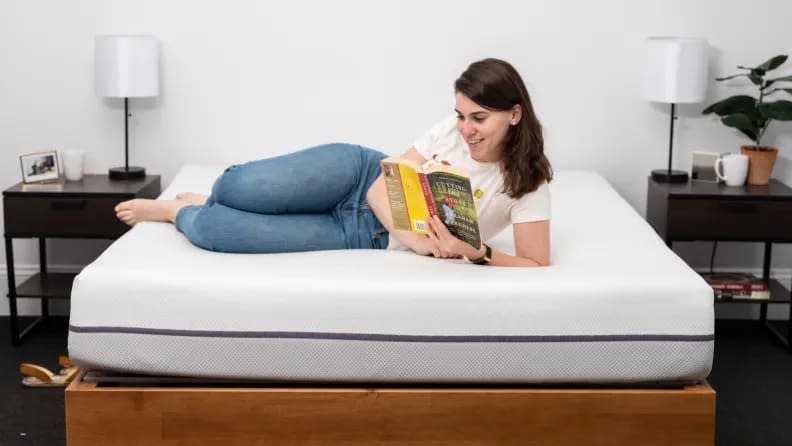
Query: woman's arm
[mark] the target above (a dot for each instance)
(532, 246)
(377, 197)
(531, 240)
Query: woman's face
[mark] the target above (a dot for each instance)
(484, 130)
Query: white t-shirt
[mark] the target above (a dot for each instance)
(495, 210)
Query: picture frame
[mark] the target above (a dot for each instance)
(40, 167)
(703, 166)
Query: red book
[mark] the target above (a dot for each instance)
(734, 282)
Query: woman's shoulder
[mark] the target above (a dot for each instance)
(543, 191)
(539, 196)
(532, 206)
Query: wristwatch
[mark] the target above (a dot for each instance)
(485, 259)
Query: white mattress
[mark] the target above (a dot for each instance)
(616, 306)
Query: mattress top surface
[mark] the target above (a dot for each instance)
(610, 275)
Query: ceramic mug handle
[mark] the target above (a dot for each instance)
(718, 167)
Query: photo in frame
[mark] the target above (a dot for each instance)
(40, 167)
(703, 167)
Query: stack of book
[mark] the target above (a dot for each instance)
(737, 286)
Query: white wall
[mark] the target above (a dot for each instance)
(243, 80)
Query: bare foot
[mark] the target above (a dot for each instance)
(192, 198)
(135, 211)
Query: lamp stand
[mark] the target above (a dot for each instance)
(669, 175)
(127, 172)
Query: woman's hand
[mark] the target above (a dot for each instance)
(427, 245)
(448, 244)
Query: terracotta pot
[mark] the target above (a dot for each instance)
(760, 164)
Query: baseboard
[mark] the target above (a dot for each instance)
(783, 275)
(28, 270)
(31, 307)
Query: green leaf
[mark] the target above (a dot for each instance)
(742, 123)
(778, 110)
(788, 90)
(751, 135)
(773, 63)
(729, 77)
(755, 78)
(736, 104)
(781, 79)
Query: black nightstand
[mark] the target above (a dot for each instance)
(699, 210)
(77, 209)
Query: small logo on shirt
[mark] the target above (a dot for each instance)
(478, 193)
(443, 162)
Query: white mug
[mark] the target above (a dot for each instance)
(73, 164)
(734, 167)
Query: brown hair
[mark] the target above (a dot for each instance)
(495, 85)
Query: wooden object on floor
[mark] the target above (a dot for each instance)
(349, 416)
(38, 376)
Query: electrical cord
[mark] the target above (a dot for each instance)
(712, 256)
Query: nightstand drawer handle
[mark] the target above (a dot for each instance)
(68, 204)
(737, 206)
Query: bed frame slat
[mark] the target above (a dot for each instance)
(180, 415)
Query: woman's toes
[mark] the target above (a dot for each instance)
(124, 205)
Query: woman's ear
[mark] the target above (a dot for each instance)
(516, 114)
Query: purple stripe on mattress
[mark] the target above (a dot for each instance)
(391, 337)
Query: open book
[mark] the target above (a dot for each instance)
(416, 193)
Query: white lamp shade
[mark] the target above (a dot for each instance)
(676, 70)
(126, 66)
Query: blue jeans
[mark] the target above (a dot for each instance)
(310, 200)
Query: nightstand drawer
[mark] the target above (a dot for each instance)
(729, 219)
(62, 217)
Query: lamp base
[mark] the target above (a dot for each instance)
(127, 173)
(674, 176)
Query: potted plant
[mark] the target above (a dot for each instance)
(752, 115)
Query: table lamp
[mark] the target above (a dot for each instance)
(675, 72)
(126, 67)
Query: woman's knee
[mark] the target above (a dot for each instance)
(225, 184)
(195, 223)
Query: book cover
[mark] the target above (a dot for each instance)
(453, 202)
(406, 196)
(415, 194)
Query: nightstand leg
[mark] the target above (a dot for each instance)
(43, 270)
(789, 325)
(778, 333)
(768, 252)
(12, 303)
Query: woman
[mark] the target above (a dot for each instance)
(334, 197)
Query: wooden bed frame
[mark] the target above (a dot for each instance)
(185, 415)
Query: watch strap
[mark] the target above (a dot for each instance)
(485, 259)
